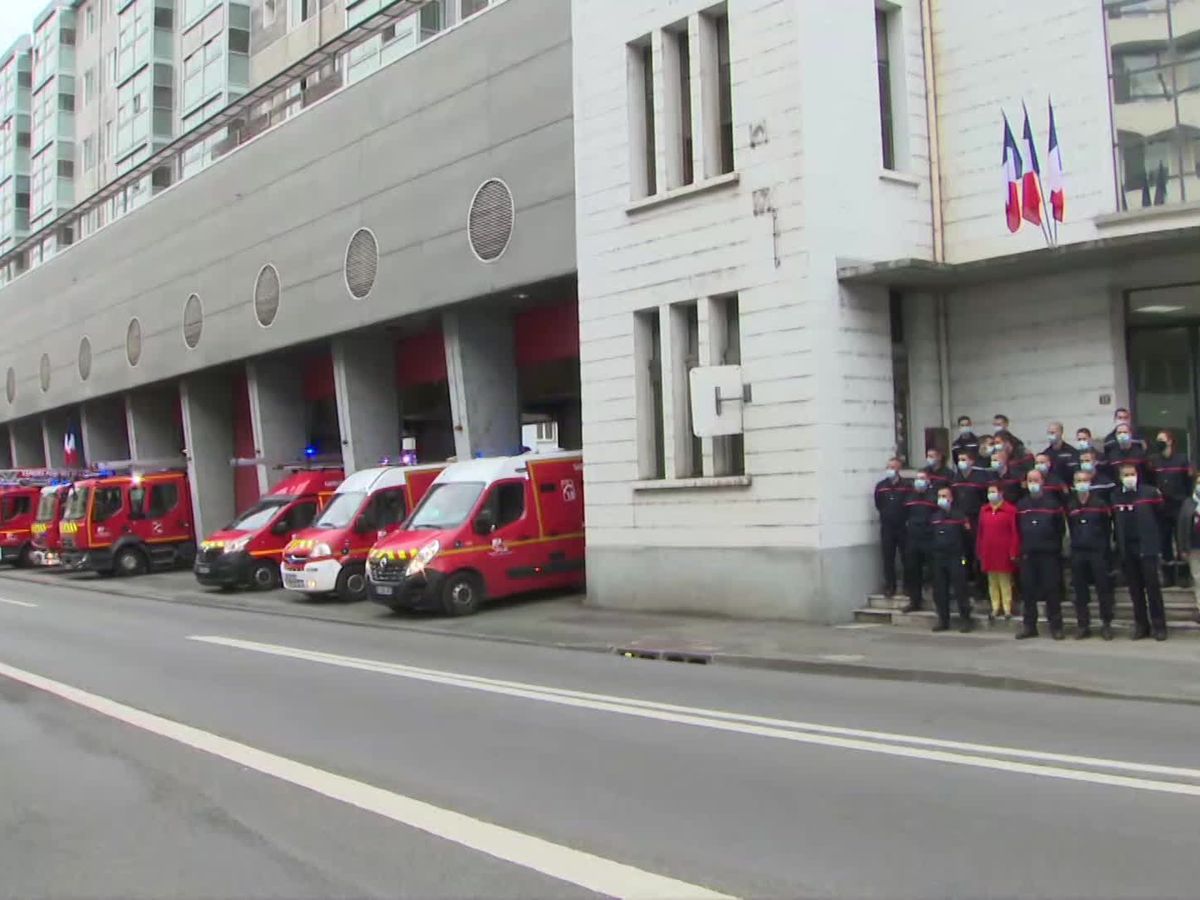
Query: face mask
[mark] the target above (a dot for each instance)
(996, 429)
(1130, 482)
(891, 474)
(944, 502)
(964, 430)
(995, 464)
(931, 463)
(1088, 466)
(1123, 439)
(964, 465)
(1196, 492)
(994, 497)
(1083, 487)
(1042, 467)
(1161, 445)
(985, 451)
(1054, 438)
(1034, 489)
(920, 484)
(1083, 445)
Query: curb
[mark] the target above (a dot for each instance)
(730, 660)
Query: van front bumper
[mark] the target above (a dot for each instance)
(224, 570)
(422, 591)
(316, 577)
(83, 560)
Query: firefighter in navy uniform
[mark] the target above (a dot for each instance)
(1126, 448)
(1064, 459)
(952, 539)
(967, 440)
(1051, 483)
(1172, 473)
(918, 538)
(1137, 508)
(970, 494)
(1089, 519)
(1040, 521)
(891, 495)
(1007, 478)
(939, 474)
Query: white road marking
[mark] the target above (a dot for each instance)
(929, 749)
(842, 657)
(595, 873)
(18, 603)
(858, 626)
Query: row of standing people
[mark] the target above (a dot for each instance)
(1004, 512)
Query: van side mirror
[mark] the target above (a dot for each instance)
(283, 526)
(485, 522)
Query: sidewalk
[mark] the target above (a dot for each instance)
(1122, 668)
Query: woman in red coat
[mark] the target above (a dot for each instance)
(998, 547)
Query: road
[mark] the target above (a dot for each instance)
(167, 750)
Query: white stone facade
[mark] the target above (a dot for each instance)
(808, 195)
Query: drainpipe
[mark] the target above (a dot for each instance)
(935, 202)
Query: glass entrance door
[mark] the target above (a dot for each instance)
(1163, 364)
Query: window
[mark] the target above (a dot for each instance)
(679, 102)
(507, 503)
(108, 502)
(648, 389)
(716, 93)
(16, 506)
(387, 508)
(66, 168)
(300, 516)
(642, 152)
(164, 497)
(470, 7)
(729, 452)
(1155, 73)
(270, 9)
(883, 65)
(89, 87)
(89, 154)
(725, 94)
(685, 356)
(91, 21)
(66, 102)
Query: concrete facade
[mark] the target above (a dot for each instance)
(364, 377)
(208, 436)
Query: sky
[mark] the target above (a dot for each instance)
(16, 18)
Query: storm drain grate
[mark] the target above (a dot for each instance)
(697, 659)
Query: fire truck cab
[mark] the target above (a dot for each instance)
(487, 528)
(46, 541)
(331, 556)
(246, 552)
(18, 510)
(129, 524)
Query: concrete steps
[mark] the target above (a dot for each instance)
(882, 610)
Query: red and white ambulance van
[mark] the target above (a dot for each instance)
(246, 552)
(488, 528)
(330, 557)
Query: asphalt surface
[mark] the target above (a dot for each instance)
(670, 768)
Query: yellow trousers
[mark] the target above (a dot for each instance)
(1000, 589)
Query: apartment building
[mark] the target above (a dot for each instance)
(16, 78)
(52, 129)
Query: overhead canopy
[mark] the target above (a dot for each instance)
(1109, 251)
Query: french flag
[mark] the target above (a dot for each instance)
(1012, 175)
(70, 450)
(1055, 181)
(1031, 188)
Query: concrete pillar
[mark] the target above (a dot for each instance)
(482, 372)
(570, 426)
(104, 425)
(277, 415)
(5, 447)
(53, 427)
(152, 420)
(28, 444)
(208, 439)
(364, 379)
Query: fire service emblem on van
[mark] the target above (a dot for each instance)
(568, 490)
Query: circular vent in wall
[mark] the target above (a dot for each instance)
(362, 263)
(44, 372)
(133, 341)
(85, 359)
(490, 221)
(193, 321)
(10, 384)
(266, 295)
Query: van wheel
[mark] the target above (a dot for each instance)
(130, 561)
(351, 584)
(264, 577)
(25, 557)
(462, 594)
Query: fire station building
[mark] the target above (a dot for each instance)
(740, 253)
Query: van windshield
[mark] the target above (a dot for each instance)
(47, 506)
(341, 510)
(77, 504)
(259, 515)
(447, 505)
